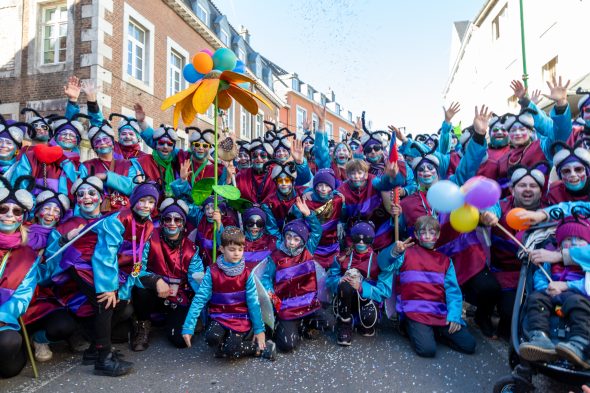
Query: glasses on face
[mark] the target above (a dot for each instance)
(425, 168)
(165, 143)
(203, 145)
(255, 223)
(16, 211)
(375, 148)
(41, 126)
(283, 181)
(102, 141)
(173, 219)
(260, 154)
(362, 239)
(578, 170)
(81, 193)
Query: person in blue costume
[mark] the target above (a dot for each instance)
(337, 161)
(358, 285)
(168, 285)
(18, 277)
(429, 298)
(290, 278)
(567, 289)
(11, 140)
(228, 288)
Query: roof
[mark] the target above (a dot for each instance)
(461, 28)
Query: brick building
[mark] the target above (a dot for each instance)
(134, 49)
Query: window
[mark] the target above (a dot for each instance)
(301, 118)
(323, 100)
(342, 133)
(203, 14)
(497, 22)
(242, 55)
(229, 117)
(136, 43)
(309, 93)
(549, 70)
(246, 124)
(138, 50)
(224, 37)
(210, 112)
(330, 130)
(295, 84)
(259, 125)
(182, 142)
(176, 81)
(315, 122)
(337, 108)
(350, 116)
(54, 25)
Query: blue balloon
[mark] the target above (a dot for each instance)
(224, 59)
(240, 67)
(190, 73)
(244, 85)
(445, 196)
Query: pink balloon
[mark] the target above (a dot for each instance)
(207, 51)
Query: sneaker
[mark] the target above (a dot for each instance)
(90, 355)
(344, 332)
(270, 352)
(366, 332)
(112, 366)
(539, 348)
(42, 352)
(574, 351)
(142, 336)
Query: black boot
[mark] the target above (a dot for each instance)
(142, 336)
(344, 331)
(90, 355)
(109, 364)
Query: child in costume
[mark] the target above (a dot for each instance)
(358, 285)
(229, 290)
(259, 243)
(428, 296)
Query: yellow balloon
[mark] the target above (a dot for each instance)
(465, 218)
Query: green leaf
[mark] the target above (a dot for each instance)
(228, 192)
(202, 189)
(240, 204)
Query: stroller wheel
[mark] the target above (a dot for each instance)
(513, 359)
(510, 384)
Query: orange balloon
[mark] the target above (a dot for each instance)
(514, 221)
(203, 63)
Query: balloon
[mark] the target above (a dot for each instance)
(207, 51)
(203, 63)
(515, 222)
(244, 85)
(445, 196)
(481, 192)
(190, 74)
(240, 67)
(465, 218)
(224, 59)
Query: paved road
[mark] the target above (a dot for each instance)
(384, 363)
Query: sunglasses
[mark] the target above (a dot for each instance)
(81, 193)
(362, 239)
(262, 155)
(255, 223)
(375, 148)
(41, 126)
(16, 211)
(170, 220)
(284, 180)
(163, 143)
(204, 145)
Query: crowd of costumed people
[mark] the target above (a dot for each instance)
(258, 245)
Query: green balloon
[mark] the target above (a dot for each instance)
(228, 192)
(202, 189)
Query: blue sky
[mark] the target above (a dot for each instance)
(389, 57)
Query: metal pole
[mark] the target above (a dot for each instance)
(525, 75)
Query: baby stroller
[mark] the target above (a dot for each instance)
(520, 380)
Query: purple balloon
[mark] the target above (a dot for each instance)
(482, 192)
(207, 51)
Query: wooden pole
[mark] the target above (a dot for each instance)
(28, 345)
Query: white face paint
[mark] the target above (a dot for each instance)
(519, 135)
(67, 139)
(145, 206)
(282, 154)
(88, 199)
(357, 178)
(574, 175)
(11, 217)
(49, 214)
(7, 149)
(127, 137)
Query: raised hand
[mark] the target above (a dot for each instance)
(72, 88)
(400, 246)
(139, 112)
(558, 91)
(482, 120)
(398, 134)
(307, 125)
(518, 89)
(358, 124)
(302, 206)
(185, 169)
(452, 111)
(536, 96)
(297, 151)
(89, 88)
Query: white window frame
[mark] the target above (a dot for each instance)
(245, 124)
(56, 24)
(226, 42)
(172, 47)
(301, 116)
(242, 54)
(315, 122)
(259, 130)
(205, 13)
(342, 132)
(230, 117)
(329, 130)
(295, 84)
(131, 15)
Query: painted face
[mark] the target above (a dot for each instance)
(374, 153)
(128, 137)
(519, 135)
(11, 217)
(172, 224)
(165, 146)
(307, 145)
(354, 146)
(67, 139)
(200, 149)
(574, 175)
(259, 158)
(585, 112)
(573, 241)
(357, 178)
(282, 154)
(331, 150)
(232, 253)
(49, 215)
(426, 174)
(284, 184)
(88, 199)
(209, 210)
(255, 225)
(527, 193)
(7, 149)
(430, 143)
(41, 131)
(323, 190)
(341, 154)
(361, 242)
(145, 206)
(427, 237)
(499, 136)
(293, 241)
(243, 160)
(102, 144)
(454, 142)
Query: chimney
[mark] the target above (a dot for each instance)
(245, 34)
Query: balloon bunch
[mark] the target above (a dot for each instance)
(464, 203)
(206, 61)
